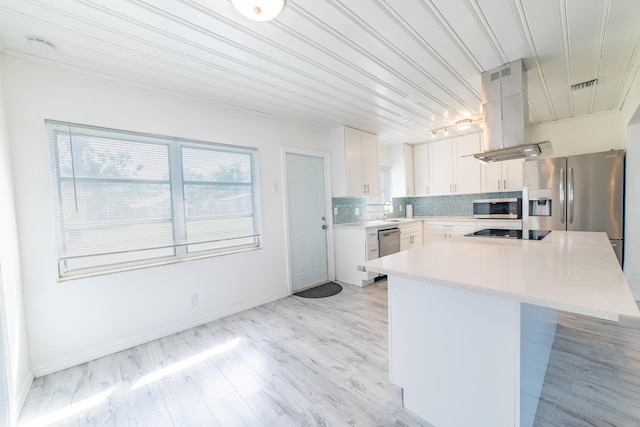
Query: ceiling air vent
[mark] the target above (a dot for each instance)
(584, 84)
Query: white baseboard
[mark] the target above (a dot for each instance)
(107, 349)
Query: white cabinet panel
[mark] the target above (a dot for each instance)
(410, 234)
(453, 168)
(502, 176)
(503, 224)
(438, 229)
(354, 163)
(421, 170)
(354, 246)
(468, 168)
(441, 167)
(491, 177)
(513, 175)
(370, 173)
(402, 170)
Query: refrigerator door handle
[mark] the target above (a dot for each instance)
(562, 204)
(570, 184)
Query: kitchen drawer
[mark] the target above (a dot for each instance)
(410, 227)
(453, 227)
(444, 229)
(503, 224)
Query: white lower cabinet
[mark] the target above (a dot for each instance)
(354, 246)
(440, 229)
(410, 234)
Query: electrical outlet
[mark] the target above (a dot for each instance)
(401, 207)
(357, 211)
(335, 211)
(194, 300)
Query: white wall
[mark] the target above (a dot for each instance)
(585, 134)
(75, 321)
(11, 298)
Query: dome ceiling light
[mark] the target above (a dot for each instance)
(259, 10)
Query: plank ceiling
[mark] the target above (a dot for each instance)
(395, 68)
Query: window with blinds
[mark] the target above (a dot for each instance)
(125, 199)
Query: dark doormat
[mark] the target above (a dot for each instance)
(321, 291)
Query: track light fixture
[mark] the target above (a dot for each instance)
(460, 125)
(463, 124)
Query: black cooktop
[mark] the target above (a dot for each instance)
(511, 234)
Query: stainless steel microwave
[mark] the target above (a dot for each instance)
(510, 208)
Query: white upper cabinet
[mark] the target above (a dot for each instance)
(453, 168)
(402, 170)
(502, 176)
(354, 163)
(468, 168)
(421, 170)
(441, 167)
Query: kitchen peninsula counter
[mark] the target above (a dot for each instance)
(472, 319)
(572, 271)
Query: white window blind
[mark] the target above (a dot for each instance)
(127, 199)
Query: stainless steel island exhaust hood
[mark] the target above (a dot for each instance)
(515, 152)
(505, 112)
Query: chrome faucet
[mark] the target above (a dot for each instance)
(387, 208)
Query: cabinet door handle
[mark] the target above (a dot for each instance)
(498, 184)
(504, 184)
(427, 189)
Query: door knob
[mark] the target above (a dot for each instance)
(325, 226)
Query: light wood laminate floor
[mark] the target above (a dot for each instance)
(306, 362)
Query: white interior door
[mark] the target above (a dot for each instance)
(307, 220)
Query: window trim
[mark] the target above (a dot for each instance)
(178, 217)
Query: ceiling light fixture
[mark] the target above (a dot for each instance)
(463, 124)
(259, 10)
(460, 125)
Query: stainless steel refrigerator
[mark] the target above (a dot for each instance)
(577, 193)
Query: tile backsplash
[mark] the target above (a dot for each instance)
(349, 209)
(457, 205)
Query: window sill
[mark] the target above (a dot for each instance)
(103, 272)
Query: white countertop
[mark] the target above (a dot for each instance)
(393, 221)
(571, 271)
(377, 223)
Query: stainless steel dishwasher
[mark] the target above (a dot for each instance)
(388, 240)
